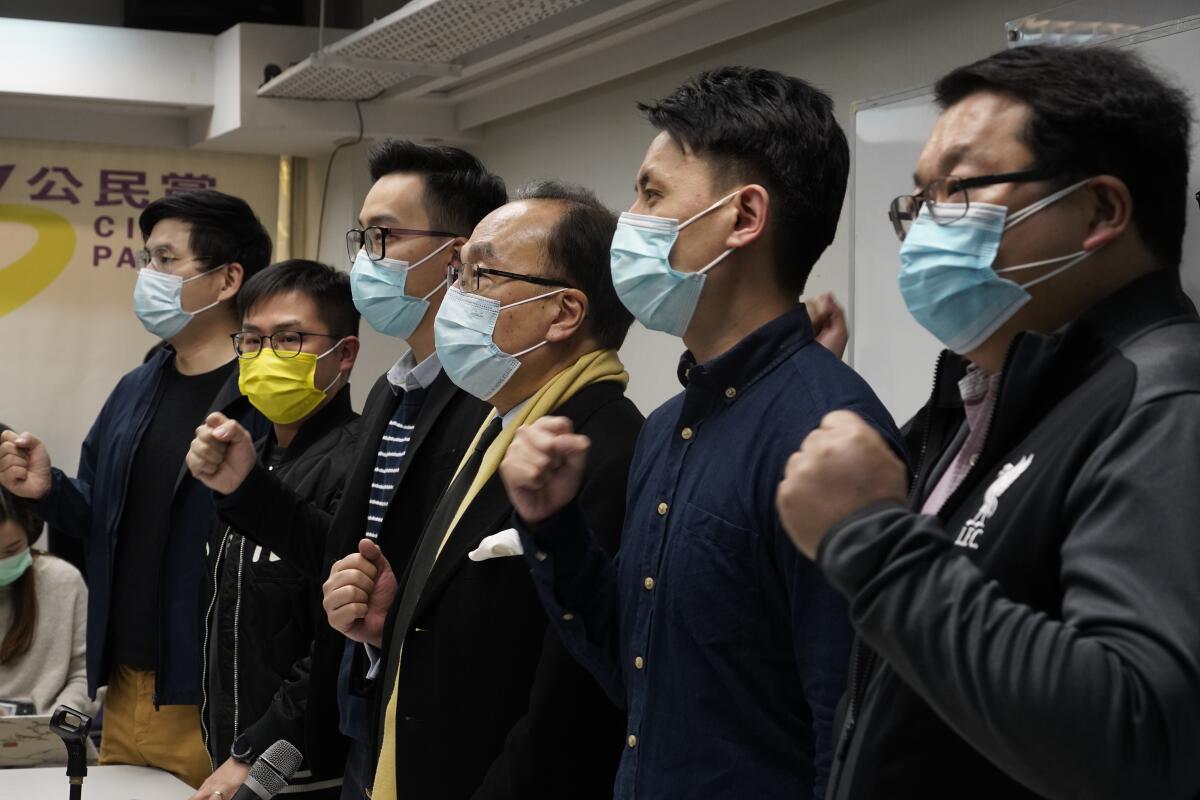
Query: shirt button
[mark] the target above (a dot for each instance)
(648, 583)
(568, 616)
(662, 509)
(540, 555)
(631, 741)
(973, 460)
(639, 662)
(731, 392)
(686, 433)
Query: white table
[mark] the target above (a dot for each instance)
(101, 783)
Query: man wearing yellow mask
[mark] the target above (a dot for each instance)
(416, 423)
(296, 348)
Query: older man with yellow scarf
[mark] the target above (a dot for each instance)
(476, 696)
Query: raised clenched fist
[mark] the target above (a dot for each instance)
(543, 468)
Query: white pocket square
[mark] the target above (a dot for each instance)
(498, 545)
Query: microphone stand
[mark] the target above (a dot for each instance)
(73, 727)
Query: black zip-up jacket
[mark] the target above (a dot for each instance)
(448, 420)
(262, 607)
(1040, 636)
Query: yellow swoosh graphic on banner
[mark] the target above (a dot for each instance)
(23, 279)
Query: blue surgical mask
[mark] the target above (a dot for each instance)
(660, 297)
(946, 275)
(378, 290)
(462, 333)
(158, 298)
(14, 567)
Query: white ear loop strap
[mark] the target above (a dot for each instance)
(436, 289)
(714, 262)
(717, 204)
(695, 217)
(1036, 206)
(1025, 213)
(529, 349)
(336, 345)
(431, 255)
(213, 304)
(1072, 260)
(530, 300)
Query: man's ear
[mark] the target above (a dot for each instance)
(348, 353)
(454, 251)
(752, 205)
(232, 284)
(571, 316)
(1110, 210)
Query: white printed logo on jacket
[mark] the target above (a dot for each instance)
(969, 535)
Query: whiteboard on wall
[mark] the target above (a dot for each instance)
(889, 349)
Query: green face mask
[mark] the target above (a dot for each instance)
(14, 567)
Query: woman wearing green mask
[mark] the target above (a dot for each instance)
(43, 616)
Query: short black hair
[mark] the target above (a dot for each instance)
(328, 288)
(1097, 111)
(459, 191)
(757, 125)
(578, 252)
(224, 228)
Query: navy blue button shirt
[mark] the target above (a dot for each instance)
(725, 645)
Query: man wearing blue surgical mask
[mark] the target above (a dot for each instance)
(727, 649)
(143, 519)
(480, 699)
(416, 424)
(1026, 607)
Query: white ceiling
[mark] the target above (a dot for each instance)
(434, 70)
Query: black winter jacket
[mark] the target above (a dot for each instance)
(448, 420)
(1039, 636)
(262, 607)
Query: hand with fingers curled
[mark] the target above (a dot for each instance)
(543, 468)
(222, 454)
(841, 467)
(828, 318)
(358, 593)
(24, 465)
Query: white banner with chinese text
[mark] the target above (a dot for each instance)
(68, 240)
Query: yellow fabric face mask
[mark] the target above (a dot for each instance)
(283, 389)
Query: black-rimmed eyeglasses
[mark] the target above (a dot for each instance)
(466, 277)
(286, 344)
(374, 240)
(948, 198)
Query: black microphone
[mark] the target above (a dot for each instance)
(269, 775)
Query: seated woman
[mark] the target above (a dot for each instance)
(43, 618)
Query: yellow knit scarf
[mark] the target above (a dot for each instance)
(595, 367)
